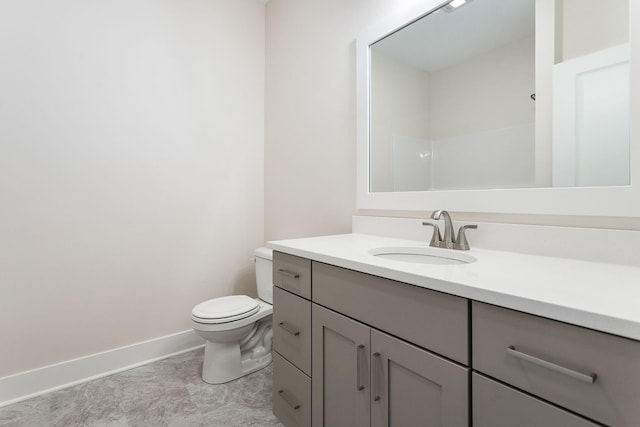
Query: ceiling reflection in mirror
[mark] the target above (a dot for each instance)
(479, 96)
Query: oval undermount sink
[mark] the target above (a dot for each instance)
(423, 255)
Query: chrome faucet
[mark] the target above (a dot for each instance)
(449, 240)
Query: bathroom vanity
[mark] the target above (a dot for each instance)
(509, 339)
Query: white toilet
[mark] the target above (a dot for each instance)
(237, 328)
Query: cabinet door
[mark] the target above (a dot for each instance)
(340, 370)
(411, 386)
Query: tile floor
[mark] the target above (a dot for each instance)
(169, 392)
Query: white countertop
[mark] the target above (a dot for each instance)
(600, 296)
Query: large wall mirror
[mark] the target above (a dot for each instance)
(525, 104)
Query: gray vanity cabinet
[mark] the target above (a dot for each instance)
(361, 350)
(292, 340)
(373, 346)
(364, 377)
(341, 391)
(292, 273)
(433, 320)
(413, 387)
(291, 393)
(292, 329)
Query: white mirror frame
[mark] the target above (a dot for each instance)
(619, 201)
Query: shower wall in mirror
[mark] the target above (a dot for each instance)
(472, 97)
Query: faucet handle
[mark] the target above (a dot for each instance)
(436, 238)
(461, 242)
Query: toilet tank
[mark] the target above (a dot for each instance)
(264, 275)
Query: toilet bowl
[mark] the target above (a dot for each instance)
(237, 328)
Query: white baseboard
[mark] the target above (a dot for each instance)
(25, 385)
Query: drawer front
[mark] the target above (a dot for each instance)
(432, 320)
(495, 405)
(292, 328)
(292, 273)
(556, 361)
(291, 394)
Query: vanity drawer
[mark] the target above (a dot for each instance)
(430, 319)
(292, 328)
(504, 342)
(291, 394)
(292, 273)
(495, 405)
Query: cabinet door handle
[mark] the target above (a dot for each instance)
(587, 378)
(376, 372)
(359, 354)
(289, 329)
(288, 400)
(288, 273)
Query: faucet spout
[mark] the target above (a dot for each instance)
(449, 237)
(449, 241)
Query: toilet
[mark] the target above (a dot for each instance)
(237, 328)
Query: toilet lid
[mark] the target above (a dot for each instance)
(225, 309)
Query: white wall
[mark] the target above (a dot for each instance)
(131, 169)
(310, 112)
(588, 26)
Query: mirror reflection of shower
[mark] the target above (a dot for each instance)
(502, 109)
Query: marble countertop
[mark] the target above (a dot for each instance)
(600, 296)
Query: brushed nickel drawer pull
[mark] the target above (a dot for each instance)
(288, 273)
(359, 353)
(288, 400)
(376, 371)
(289, 329)
(587, 378)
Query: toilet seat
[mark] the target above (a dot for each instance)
(225, 309)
